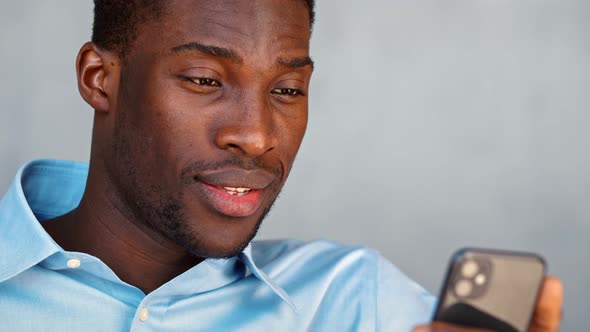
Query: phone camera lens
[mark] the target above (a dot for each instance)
(469, 269)
(480, 279)
(463, 288)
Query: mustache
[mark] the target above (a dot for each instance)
(197, 167)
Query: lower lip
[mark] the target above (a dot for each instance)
(232, 205)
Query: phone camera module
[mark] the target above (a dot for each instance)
(471, 278)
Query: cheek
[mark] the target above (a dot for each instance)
(291, 133)
(156, 133)
(173, 118)
(294, 128)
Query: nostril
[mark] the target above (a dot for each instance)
(233, 146)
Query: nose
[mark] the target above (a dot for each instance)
(248, 129)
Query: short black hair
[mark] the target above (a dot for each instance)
(116, 22)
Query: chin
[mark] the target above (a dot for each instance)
(220, 238)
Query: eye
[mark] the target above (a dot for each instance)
(201, 85)
(204, 81)
(287, 92)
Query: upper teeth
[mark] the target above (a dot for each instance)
(240, 190)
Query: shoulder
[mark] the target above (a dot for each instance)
(348, 274)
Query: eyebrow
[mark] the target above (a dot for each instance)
(296, 62)
(211, 50)
(233, 56)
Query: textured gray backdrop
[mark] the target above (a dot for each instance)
(434, 124)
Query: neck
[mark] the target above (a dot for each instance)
(103, 227)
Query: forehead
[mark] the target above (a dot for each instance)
(251, 27)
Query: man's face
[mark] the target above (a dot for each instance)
(211, 111)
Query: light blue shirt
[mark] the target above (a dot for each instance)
(284, 285)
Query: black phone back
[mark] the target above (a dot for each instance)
(491, 289)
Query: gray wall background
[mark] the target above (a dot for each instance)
(433, 125)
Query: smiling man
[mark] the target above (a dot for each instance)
(200, 109)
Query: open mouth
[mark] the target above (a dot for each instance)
(232, 201)
(234, 192)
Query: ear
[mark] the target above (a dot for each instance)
(98, 74)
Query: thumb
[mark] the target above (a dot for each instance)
(548, 311)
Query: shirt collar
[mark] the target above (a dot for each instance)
(32, 195)
(246, 257)
(44, 189)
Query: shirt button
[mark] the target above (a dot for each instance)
(144, 314)
(73, 263)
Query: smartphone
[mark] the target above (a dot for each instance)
(491, 289)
